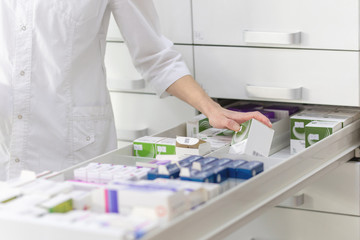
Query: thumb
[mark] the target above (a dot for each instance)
(232, 125)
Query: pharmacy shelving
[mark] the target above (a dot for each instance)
(284, 176)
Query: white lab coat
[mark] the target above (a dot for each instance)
(55, 109)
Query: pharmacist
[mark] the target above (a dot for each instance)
(55, 108)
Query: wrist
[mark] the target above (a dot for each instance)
(210, 108)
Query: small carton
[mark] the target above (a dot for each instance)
(197, 125)
(146, 146)
(299, 121)
(297, 132)
(254, 138)
(318, 130)
(166, 146)
(186, 146)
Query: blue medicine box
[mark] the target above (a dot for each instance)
(192, 158)
(152, 174)
(250, 169)
(172, 169)
(234, 166)
(199, 165)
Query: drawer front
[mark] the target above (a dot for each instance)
(113, 33)
(337, 191)
(321, 24)
(121, 73)
(175, 21)
(285, 224)
(284, 75)
(137, 115)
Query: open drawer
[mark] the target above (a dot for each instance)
(284, 176)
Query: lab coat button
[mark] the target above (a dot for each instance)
(88, 138)
(17, 160)
(20, 116)
(22, 73)
(23, 28)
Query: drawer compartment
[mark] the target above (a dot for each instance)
(296, 24)
(284, 224)
(137, 115)
(337, 192)
(286, 75)
(121, 73)
(175, 21)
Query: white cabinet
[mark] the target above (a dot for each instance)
(336, 192)
(285, 224)
(121, 73)
(286, 75)
(321, 24)
(175, 21)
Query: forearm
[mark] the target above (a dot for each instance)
(188, 90)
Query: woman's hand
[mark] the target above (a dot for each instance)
(188, 90)
(222, 118)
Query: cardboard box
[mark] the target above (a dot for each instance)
(254, 138)
(317, 130)
(146, 146)
(197, 125)
(186, 146)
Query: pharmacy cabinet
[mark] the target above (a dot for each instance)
(121, 73)
(285, 224)
(311, 24)
(335, 192)
(137, 115)
(175, 21)
(286, 75)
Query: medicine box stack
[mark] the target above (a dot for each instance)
(313, 125)
(207, 169)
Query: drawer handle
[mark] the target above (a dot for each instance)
(272, 37)
(130, 135)
(294, 201)
(137, 84)
(130, 85)
(274, 92)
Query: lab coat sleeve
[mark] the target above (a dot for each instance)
(152, 53)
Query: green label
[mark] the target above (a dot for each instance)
(298, 128)
(315, 134)
(144, 149)
(62, 207)
(242, 134)
(204, 124)
(162, 149)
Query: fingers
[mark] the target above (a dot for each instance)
(232, 125)
(260, 117)
(243, 117)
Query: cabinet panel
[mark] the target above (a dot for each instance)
(285, 224)
(121, 73)
(286, 75)
(320, 24)
(175, 21)
(337, 191)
